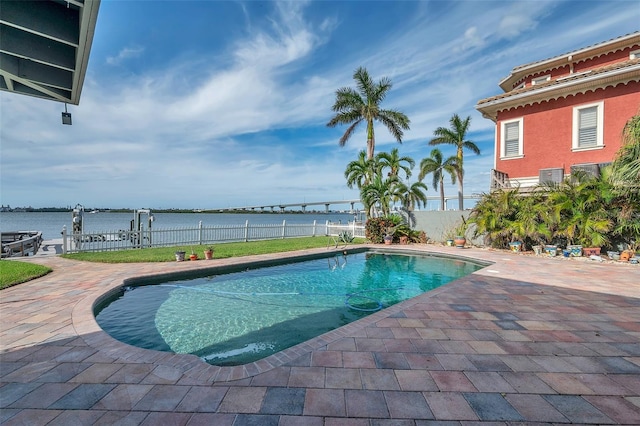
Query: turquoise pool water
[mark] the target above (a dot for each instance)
(239, 317)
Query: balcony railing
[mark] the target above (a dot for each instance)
(499, 180)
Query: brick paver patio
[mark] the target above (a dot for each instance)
(525, 340)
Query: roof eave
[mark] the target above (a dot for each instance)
(624, 75)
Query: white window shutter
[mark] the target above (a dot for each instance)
(588, 127)
(511, 139)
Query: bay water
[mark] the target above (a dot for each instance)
(51, 223)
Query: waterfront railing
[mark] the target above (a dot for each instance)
(201, 235)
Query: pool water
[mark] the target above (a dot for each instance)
(240, 317)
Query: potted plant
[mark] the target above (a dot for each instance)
(193, 255)
(208, 253)
(180, 255)
(388, 235)
(460, 238)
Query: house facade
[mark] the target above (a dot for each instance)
(564, 113)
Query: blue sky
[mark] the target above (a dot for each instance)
(213, 104)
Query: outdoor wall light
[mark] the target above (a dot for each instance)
(66, 116)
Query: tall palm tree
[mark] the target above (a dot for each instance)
(435, 165)
(352, 107)
(456, 135)
(395, 163)
(360, 172)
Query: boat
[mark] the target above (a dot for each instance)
(20, 243)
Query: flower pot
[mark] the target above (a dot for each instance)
(551, 250)
(515, 246)
(576, 250)
(613, 255)
(180, 256)
(404, 240)
(566, 252)
(450, 242)
(208, 254)
(459, 241)
(193, 256)
(388, 240)
(591, 251)
(537, 250)
(625, 255)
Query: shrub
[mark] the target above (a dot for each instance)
(376, 228)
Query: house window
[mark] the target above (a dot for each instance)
(540, 80)
(634, 55)
(511, 139)
(588, 126)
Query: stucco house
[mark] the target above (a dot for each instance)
(564, 113)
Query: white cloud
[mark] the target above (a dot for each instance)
(125, 53)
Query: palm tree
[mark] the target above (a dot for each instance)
(378, 194)
(626, 166)
(395, 163)
(435, 165)
(455, 135)
(360, 172)
(355, 106)
(412, 196)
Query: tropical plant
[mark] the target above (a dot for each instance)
(395, 163)
(376, 228)
(353, 107)
(435, 165)
(360, 172)
(377, 195)
(626, 165)
(456, 135)
(412, 196)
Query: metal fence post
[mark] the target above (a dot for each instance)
(64, 239)
(314, 228)
(246, 231)
(284, 229)
(200, 232)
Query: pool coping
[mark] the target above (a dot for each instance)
(192, 366)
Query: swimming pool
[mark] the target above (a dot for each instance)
(240, 316)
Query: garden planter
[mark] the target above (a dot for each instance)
(388, 240)
(515, 246)
(460, 241)
(404, 240)
(591, 251)
(193, 256)
(613, 255)
(566, 252)
(625, 255)
(450, 243)
(180, 256)
(551, 250)
(537, 250)
(208, 254)
(576, 250)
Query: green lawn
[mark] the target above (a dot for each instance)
(13, 272)
(221, 251)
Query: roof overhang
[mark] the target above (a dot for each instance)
(557, 90)
(576, 56)
(45, 46)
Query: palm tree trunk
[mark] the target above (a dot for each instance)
(441, 194)
(460, 193)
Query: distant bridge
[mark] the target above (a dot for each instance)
(303, 205)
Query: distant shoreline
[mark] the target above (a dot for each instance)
(186, 211)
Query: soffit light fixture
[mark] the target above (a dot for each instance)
(66, 116)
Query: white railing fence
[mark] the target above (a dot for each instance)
(202, 235)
